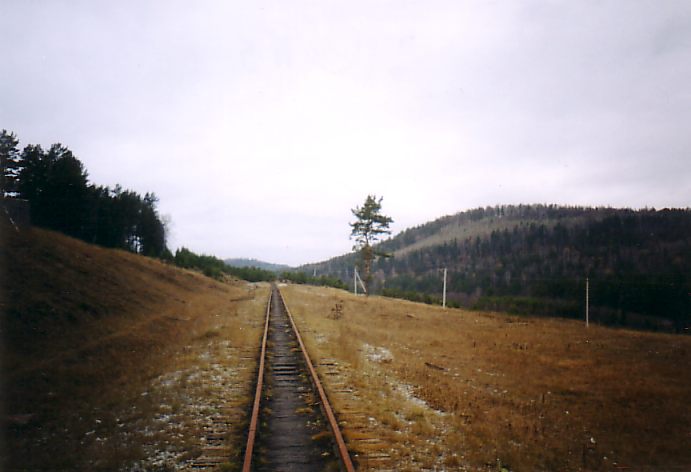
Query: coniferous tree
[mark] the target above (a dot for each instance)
(34, 173)
(66, 193)
(55, 183)
(151, 229)
(368, 228)
(9, 163)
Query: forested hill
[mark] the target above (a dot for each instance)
(535, 259)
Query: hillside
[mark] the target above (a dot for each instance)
(535, 259)
(101, 347)
(241, 262)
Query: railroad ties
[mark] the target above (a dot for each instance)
(216, 449)
(373, 453)
(293, 427)
(219, 434)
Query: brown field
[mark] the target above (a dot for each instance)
(114, 361)
(457, 390)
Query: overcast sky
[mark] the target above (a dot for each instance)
(261, 124)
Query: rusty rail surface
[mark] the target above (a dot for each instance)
(252, 433)
(346, 461)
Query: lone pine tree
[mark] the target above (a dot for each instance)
(369, 226)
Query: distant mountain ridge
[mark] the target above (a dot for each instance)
(242, 262)
(535, 259)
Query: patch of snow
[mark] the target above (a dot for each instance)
(377, 354)
(408, 394)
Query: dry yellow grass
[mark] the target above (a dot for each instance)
(120, 362)
(455, 390)
(116, 361)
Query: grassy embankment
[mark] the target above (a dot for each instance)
(456, 389)
(116, 361)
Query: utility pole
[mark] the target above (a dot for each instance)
(443, 299)
(587, 300)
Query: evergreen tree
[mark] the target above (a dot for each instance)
(367, 229)
(9, 163)
(34, 173)
(56, 184)
(66, 193)
(150, 228)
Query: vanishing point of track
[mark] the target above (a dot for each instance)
(292, 427)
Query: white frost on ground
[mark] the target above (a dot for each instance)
(409, 414)
(189, 400)
(377, 353)
(408, 393)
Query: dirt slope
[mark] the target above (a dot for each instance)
(87, 334)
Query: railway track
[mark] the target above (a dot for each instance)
(292, 427)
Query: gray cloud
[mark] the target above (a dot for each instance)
(260, 125)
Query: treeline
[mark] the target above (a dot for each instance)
(415, 296)
(212, 266)
(61, 198)
(299, 277)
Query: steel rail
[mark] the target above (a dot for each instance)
(333, 424)
(252, 433)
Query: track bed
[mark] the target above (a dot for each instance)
(293, 431)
